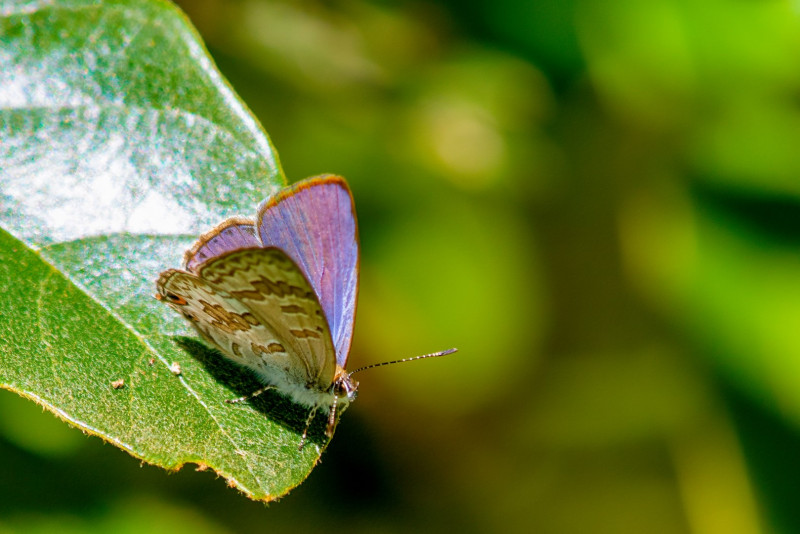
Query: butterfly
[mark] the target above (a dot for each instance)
(278, 295)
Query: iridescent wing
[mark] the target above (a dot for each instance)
(314, 221)
(232, 234)
(258, 308)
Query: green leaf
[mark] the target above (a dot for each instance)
(119, 144)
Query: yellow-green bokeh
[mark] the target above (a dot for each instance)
(597, 202)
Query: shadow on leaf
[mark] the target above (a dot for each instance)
(242, 382)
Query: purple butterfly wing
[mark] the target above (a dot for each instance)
(232, 234)
(314, 222)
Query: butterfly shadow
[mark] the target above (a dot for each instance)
(242, 382)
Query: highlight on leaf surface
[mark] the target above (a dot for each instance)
(119, 144)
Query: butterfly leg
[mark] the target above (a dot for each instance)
(308, 424)
(331, 417)
(250, 396)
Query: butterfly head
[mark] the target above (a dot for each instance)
(344, 387)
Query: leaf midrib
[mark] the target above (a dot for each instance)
(147, 349)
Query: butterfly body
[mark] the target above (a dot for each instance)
(278, 295)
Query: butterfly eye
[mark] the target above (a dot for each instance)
(176, 299)
(346, 387)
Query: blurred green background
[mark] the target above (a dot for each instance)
(597, 202)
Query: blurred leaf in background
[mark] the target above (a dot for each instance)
(595, 202)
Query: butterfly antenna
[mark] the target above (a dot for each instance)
(431, 355)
